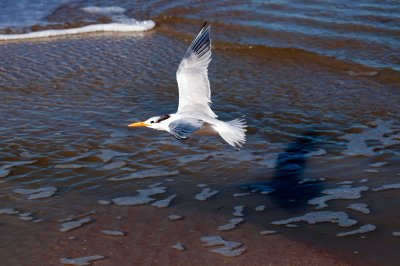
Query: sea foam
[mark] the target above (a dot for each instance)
(104, 10)
(340, 218)
(386, 187)
(383, 131)
(142, 198)
(37, 193)
(337, 193)
(121, 23)
(232, 224)
(363, 229)
(81, 261)
(179, 246)
(110, 27)
(230, 249)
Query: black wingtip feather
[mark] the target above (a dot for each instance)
(201, 43)
(205, 25)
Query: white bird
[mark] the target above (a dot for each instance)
(194, 112)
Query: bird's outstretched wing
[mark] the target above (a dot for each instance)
(182, 128)
(193, 83)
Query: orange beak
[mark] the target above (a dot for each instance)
(139, 124)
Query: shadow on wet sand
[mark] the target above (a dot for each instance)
(289, 189)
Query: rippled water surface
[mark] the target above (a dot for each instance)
(322, 108)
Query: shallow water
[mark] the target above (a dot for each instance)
(66, 102)
(364, 32)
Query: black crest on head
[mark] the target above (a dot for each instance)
(162, 118)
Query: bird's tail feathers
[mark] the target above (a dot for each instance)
(233, 132)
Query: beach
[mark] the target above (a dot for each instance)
(321, 159)
(149, 240)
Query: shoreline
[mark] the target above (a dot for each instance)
(149, 238)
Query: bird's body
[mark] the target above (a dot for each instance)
(194, 112)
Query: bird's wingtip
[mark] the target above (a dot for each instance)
(205, 25)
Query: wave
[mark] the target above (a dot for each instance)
(109, 27)
(238, 36)
(183, 28)
(104, 10)
(120, 23)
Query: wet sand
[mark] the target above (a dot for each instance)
(149, 238)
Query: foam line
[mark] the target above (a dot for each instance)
(111, 27)
(104, 10)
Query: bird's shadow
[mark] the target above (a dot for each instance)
(289, 189)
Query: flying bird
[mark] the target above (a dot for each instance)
(194, 112)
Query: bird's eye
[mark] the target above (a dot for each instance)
(152, 122)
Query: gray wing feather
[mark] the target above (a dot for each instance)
(182, 128)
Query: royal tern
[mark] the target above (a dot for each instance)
(194, 112)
